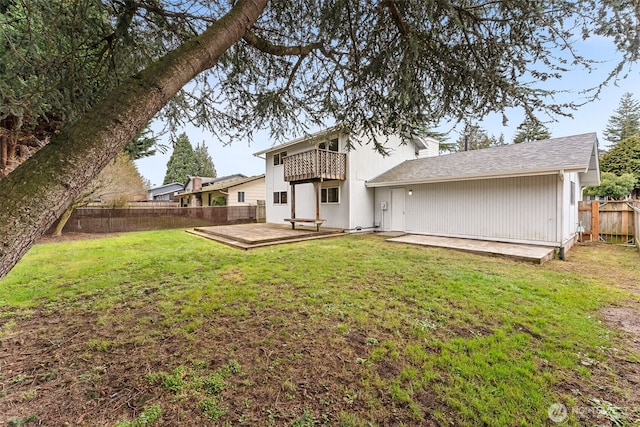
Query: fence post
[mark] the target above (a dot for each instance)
(595, 221)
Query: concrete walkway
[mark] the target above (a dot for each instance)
(529, 253)
(248, 236)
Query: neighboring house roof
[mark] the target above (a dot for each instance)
(166, 188)
(244, 181)
(226, 178)
(171, 192)
(224, 185)
(312, 138)
(578, 153)
(205, 180)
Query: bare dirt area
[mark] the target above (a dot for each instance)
(626, 319)
(64, 369)
(622, 362)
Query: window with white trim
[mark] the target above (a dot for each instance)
(240, 196)
(330, 195)
(331, 145)
(278, 158)
(279, 197)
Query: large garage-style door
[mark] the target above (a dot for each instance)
(514, 209)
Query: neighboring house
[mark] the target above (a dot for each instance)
(318, 178)
(165, 192)
(247, 191)
(232, 190)
(192, 193)
(521, 193)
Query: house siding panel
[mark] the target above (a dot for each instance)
(253, 191)
(364, 163)
(497, 209)
(570, 217)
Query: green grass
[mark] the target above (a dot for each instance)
(427, 333)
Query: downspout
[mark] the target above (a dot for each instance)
(561, 254)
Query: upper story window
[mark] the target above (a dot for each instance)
(278, 158)
(331, 145)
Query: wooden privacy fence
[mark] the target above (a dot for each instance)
(107, 220)
(636, 208)
(610, 221)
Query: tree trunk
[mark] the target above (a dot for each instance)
(35, 194)
(63, 220)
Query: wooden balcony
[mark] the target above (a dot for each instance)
(315, 165)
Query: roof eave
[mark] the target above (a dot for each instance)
(474, 177)
(287, 144)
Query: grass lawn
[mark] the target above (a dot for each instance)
(164, 328)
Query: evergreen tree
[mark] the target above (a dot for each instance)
(625, 121)
(204, 161)
(623, 158)
(478, 139)
(182, 163)
(531, 130)
(143, 145)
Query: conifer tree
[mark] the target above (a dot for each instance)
(204, 162)
(531, 130)
(182, 163)
(625, 120)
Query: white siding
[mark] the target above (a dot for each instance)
(570, 215)
(274, 180)
(253, 191)
(363, 164)
(433, 148)
(520, 209)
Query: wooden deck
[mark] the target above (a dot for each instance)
(529, 253)
(248, 236)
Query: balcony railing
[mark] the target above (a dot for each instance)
(314, 165)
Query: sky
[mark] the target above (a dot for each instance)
(592, 117)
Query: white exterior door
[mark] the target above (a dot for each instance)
(397, 209)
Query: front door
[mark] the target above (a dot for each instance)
(397, 209)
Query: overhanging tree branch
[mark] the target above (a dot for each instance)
(266, 46)
(34, 195)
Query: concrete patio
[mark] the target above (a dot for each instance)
(529, 253)
(248, 236)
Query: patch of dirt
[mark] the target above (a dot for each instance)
(626, 319)
(600, 400)
(75, 368)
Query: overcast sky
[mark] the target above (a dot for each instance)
(592, 117)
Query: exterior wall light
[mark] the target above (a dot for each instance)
(411, 192)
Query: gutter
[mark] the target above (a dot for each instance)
(469, 178)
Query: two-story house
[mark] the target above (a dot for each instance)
(521, 193)
(317, 178)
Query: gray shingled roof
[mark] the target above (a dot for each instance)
(572, 153)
